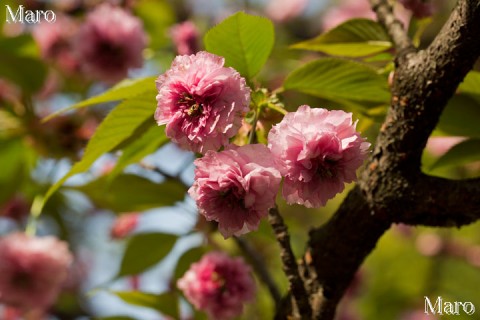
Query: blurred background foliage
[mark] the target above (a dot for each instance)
(127, 268)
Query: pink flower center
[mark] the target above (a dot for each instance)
(232, 199)
(326, 167)
(219, 281)
(191, 106)
(21, 280)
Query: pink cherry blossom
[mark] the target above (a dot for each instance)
(218, 285)
(55, 42)
(318, 151)
(236, 187)
(32, 270)
(185, 37)
(349, 9)
(201, 101)
(345, 10)
(124, 225)
(285, 10)
(438, 146)
(110, 42)
(17, 208)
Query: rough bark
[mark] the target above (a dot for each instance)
(392, 187)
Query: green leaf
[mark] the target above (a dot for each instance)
(23, 45)
(20, 63)
(141, 89)
(145, 250)
(9, 124)
(460, 117)
(416, 29)
(157, 16)
(165, 303)
(471, 85)
(119, 125)
(186, 260)
(27, 72)
(12, 162)
(353, 38)
(245, 41)
(148, 143)
(130, 192)
(338, 80)
(462, 153)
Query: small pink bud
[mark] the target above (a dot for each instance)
(124, 225)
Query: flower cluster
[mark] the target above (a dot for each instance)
(316, 151)
(105, 46)
(32, 270)
(218, 285)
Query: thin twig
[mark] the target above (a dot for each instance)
(259, 266)
(290, 266)
(394, 27)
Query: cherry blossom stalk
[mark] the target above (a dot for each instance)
(290, 266)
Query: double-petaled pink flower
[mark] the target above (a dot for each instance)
(185, 37)
(55, 42)
(32, 270)
(218, 285)
(201, 102)
(236, 187)
(110, 42)
(318, 151)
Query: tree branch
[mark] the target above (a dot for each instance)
(392, 187)
(438, 202)
(290, 266)
(394, 27)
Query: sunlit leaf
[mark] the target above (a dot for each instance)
(339, 80)
(142, 89)
(245, 41)
(353, 38)
(460, 117)
(119, 125)
(462, 153)
(165, 303)
(148, 143)
(471, 85)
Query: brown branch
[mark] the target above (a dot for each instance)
(392, 187)
(394, 27)
(444, 203)
(259, 267)
(290, 266)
